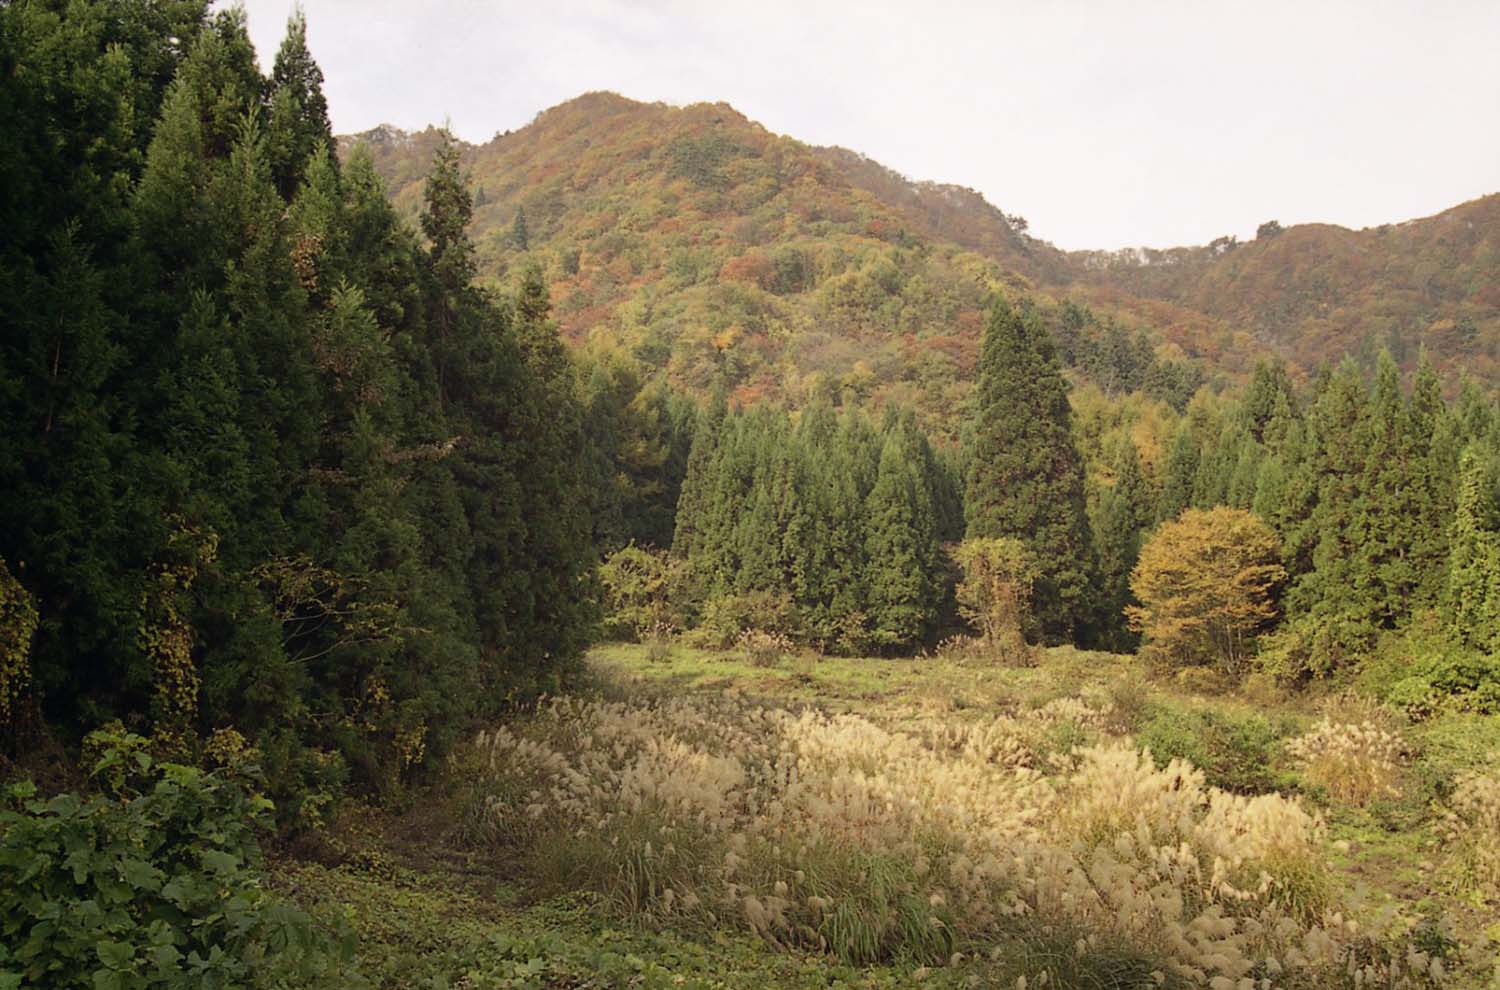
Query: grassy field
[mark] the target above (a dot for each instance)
(698, 820)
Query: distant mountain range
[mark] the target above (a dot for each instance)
(706, 245)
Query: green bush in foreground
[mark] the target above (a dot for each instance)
(151, 881)
(1237, 754)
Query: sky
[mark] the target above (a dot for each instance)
(1106, 125)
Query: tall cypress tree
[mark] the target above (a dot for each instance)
(1121, 513)
(901, 543)
(1180, 475)
(445, 220)
(692, 503)
(298, 110)
(1025, 473)
(1471, 597)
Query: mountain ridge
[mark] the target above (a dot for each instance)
(603, 177)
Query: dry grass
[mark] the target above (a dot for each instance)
(1356, 763)
(1471, 829)
(926, 843)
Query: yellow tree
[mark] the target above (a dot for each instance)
(1206, 584)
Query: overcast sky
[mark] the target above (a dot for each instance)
(1104, 124)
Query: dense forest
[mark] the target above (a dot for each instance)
(304, 477)
(271, 461)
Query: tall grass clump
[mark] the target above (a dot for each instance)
(830, 833)
(1471, 830)
(1355, 763)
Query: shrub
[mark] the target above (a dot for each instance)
(1450, 747)
(1355, 763)
(1235, 754)
(764, 649)
(728, 617)
(994, 595)
(642, 591)
(18, 622)
(658, 642)
(1445, 677)
(150, 882)
(852, 635)
(1129, 703)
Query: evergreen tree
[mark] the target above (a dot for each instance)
(1334, 604)
(267, 462)
(1472, 594)
(1025, 474)
(445, 220)
(520, 238)
(299, 112)
(1433, 476)
(697, 480)
(1181, 474)
(1269, 395)
(901, 544)
(1120, 516)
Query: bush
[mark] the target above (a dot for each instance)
(995, 593)
(728, 617)
(1470, 828)
(1448, 748)
(643, 589)
(1236, 754)
(1425, 674)
(764, 649)
(151, 881)
(658, 642)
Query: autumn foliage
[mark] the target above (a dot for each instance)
(1206, 581)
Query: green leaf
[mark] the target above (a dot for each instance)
(115, 955)
(219, 861)
(165, 956)
(141, 875)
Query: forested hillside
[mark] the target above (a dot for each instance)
(1317, 292)
(736, 257)
(695, 241)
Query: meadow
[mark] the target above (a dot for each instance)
(721, 818)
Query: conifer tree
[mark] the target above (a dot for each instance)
(1181, 473)
(450, 256)
(1120, 516)
(1434, 478)
(298, 110)
(692, 503)
(1025, 474)
(1471, 597)
(520, 237)
(901, 544)
(1269, 393)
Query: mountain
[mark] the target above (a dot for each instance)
(731, 256)
(1317, 292)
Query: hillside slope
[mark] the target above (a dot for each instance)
(1319, 291)
(731, 256)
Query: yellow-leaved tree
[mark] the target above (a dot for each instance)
(1206, 582)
